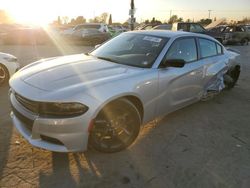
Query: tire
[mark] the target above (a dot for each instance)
(244, 41)
(4, 75)
(233, 77)
(116, 127)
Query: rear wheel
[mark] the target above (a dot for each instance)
(115, 127)
(232, 77)
(4, 75)
(244, 41)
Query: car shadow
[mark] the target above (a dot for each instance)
(187, 148)
(5, 127)
(60, 176)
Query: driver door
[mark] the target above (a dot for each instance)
(179, 87)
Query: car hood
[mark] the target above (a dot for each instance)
(73, 71)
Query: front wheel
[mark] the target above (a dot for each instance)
(115, 127)
(4, 75)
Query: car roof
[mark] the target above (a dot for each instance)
(170, 34)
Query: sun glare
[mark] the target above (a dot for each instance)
(29, 17)
(46, 11)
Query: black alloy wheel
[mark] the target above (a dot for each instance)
(115, 127)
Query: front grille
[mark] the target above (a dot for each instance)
(28, 123)
(28, 104)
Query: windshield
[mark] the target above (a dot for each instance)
(132, 49)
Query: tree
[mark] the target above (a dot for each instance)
(100, 19)
(65, 19)
(59, 21)
(103, 17)
(77, 20)
(205, 21)
(80, 20)
(173, 19)
(155, 22)
(110, 19)
(244, 21)
(180, 19)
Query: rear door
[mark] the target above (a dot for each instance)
(214, 62)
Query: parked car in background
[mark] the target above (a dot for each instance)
(119, 28)
(8, 66)
(104, 97)
(88, 36)
(146, 26)
(26, 36)
(217, 29)
(237, 34)
(197, 28)
(99, 26)
(248, 27)
(163, 27)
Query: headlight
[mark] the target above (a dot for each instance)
(62, 109)
(10, 59)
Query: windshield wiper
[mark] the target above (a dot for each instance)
(107, 59)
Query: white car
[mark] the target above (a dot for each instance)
(8, 66)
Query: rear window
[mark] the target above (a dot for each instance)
(208, 48)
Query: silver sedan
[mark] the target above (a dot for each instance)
(104, 97)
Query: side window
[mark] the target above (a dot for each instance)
(192, 28)
(183, 49)
(196, 28)
(208, 48)
(219, 49)
(182, 27)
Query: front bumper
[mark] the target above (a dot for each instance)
(59, 135)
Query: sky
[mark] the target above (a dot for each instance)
(45, 11)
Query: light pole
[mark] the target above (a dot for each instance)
(132, 12)
(209, 13)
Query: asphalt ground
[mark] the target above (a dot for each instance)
(204, 145)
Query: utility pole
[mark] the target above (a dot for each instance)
(132, 13)
(209, 13)
(170, 14)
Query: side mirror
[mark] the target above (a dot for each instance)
(179, 63)
(97, 46)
